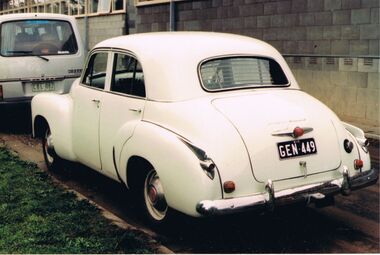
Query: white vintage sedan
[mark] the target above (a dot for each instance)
(203, 123)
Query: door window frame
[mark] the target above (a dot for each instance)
(130, 54)
(108, 69)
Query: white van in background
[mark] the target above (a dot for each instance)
(39, 52)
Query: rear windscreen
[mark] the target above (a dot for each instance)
(241, 72)
(37, 37)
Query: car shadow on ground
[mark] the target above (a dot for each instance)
(15, 119)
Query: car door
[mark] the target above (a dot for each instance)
(87, 104)
(122, 107)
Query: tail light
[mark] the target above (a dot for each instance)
(206, 163)
(229, 186)
(358, 163)
(208, 167)
(364, 143)
(1, 92)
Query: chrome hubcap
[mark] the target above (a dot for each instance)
(152, 193)
(49, 147)
(154, 196)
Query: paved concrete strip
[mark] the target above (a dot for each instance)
(33, 153)
(27, 150)
(118, 221)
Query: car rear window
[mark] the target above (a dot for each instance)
(37, 37)
(241, 72)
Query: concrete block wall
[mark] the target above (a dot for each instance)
(344, 27)
(102, 27)
(349, 86)
(332, 45)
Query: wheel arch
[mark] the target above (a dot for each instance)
(40, 124)
(134, 169)
(55, 111)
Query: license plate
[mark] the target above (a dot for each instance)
(43, 87)
(297, 148)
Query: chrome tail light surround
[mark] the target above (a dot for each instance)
(206, 163)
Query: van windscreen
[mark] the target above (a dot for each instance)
(37, 37)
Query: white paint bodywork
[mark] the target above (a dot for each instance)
(18, 72)
(234, 128)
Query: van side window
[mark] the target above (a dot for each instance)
(127, 76)
(96, 70)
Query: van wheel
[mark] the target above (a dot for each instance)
(52, 160)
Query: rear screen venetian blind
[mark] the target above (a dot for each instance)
(241, 72)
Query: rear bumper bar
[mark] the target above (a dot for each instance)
(269, 199)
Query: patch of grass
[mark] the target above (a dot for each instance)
(36, 216)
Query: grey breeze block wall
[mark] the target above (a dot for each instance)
(101, 27)
(332, 46)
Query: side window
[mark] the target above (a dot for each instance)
(95, 75)
(127, 76)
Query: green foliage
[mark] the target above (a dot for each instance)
(36, 216)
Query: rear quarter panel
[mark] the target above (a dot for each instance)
(183, 180)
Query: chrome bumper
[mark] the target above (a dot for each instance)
(270, 199)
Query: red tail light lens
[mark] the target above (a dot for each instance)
(229, 186)
(358, 163)
(1, 92)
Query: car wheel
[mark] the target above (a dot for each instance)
(52, 160)
(153, 198)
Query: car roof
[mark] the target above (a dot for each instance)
(173, 58)
(204, 43)
(21, 16)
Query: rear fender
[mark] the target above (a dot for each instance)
(361, 144)
(183, 180)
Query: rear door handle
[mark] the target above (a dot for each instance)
(135, 110)
(96, 101)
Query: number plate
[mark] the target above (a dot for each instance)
(43, 87)
(297, 148)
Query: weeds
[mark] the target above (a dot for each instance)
(36, 216)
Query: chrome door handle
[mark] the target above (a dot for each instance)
(96, 101)
(135, 110)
